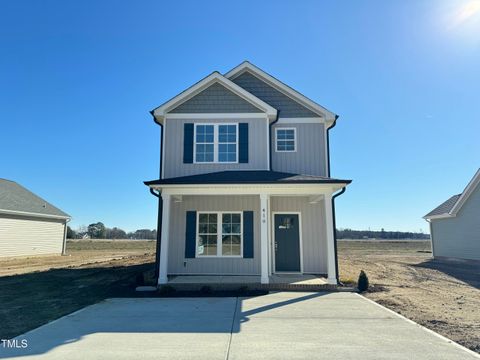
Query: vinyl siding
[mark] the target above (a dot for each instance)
(314, 240)
(23, 236)
(286, 106)
(310, 157)
(178, 264)
(173, 151)
(459, 237)
(216, 99)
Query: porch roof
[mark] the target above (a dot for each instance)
(247, 177)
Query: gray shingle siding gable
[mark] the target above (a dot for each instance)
(286, 106)
(216, 99)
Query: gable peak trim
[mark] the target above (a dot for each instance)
(247, 66)
(215, 77)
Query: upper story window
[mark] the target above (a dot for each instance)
(216, 143)
(285, 139)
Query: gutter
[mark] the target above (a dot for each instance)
(160, 206)
(270, 140)
(335, 232)
(328, 144)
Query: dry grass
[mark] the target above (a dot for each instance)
(443, 296)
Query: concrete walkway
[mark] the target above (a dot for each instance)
(276, 326)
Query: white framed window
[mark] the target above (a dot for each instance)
(219, 234)
(216, 143)
(285, 139)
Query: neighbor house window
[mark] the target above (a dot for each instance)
(219, 234)
(286, 139)
(216, 143)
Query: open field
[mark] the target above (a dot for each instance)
(442, 296)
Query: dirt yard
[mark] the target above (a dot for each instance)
(442, 296)
(37, 290)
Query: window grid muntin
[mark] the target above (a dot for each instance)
(285, 140)
(232, 151)
(219, 234)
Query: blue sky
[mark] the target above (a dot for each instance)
(78, 78)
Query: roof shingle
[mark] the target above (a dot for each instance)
(247, 177)
(14, 197)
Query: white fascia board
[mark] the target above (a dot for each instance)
(305, 120)
(466, 193)
(249, 189)
(214, 116)
(25, 213)
(287, 90)
(159, 112)
(435, 217)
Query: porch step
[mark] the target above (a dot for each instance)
(254, 287)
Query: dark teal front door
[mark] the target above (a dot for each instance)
(287, 242)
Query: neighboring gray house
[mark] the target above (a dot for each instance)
(245, 186)
(28, 224)
(455, 224)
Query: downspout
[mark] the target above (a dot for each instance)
(335, 232)
(328, 144)
(160, 206)
(64, 246)
(270, 139)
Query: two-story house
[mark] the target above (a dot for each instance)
(245, 186)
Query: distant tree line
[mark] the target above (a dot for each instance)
(382, 234)
(100, 231)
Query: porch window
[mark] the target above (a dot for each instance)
(286, 139)
(216, 143)
(219, 234)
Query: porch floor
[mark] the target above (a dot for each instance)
(240, 279)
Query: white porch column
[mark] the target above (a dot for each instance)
(264, 237)
(162, 277)
(332, 274)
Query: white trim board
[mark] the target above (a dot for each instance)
(214, 116)
(25, 213)
(215, 77)
(283, 88)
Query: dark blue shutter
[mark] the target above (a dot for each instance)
(243, 142)
(190, 234)
(248, 234)
(187, 143)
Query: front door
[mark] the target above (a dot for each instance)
(287, 242)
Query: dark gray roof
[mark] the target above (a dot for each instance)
(248, 177)
(445, 207)
(15, 197)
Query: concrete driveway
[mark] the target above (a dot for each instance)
(276, 326)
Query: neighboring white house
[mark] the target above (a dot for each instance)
(29, 225)
(455, 224)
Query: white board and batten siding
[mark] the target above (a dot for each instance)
(26, 236)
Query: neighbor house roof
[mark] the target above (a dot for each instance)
(15, 199)
(247, 177)
(451, 207)
(445, 207)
